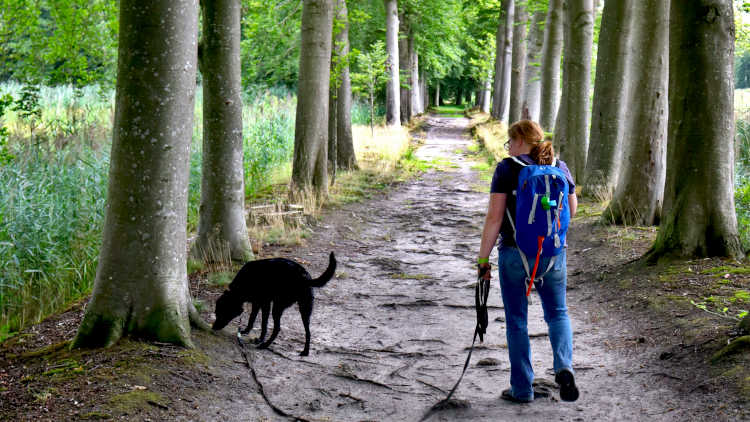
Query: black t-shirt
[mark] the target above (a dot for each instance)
(505, 180)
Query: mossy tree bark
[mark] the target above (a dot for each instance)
(392, 89)
(310, 165)
(609, 109)
(141, 282)
(550, 70)
(532, 74)
(518, 65)
(699, 212)
(638, 197)
(503, 40)
(345, 157)
(221, 228)
(572, 126)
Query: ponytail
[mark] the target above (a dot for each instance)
(543, 153)
(530, 132)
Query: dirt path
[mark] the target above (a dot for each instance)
(391, 331)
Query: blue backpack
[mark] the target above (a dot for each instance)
(542, 215)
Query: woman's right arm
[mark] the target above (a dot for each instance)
(573, 204)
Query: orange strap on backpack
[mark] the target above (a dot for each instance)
(540, 239)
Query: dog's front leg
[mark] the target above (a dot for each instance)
(251, 322)
(277, 311)
(265, 310)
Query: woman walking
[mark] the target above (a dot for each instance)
(525, 145)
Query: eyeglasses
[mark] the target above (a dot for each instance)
(507, 145)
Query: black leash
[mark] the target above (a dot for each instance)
(260, 386)
(481, 293)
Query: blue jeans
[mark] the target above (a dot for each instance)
(552, 294)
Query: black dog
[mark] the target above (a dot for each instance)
(280, 281)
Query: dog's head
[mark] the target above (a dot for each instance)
(227, 309)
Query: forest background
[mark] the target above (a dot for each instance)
(57, 111)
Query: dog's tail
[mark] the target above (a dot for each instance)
(327, 274)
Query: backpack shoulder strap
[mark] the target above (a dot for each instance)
(518, 161)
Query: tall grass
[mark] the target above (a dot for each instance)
(361, 113)
(52, 194)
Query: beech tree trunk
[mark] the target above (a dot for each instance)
(221, 225)
(550, 70)
(392, 90)
(571, 129)
(310, 166)
(699, 212)
(332, 153)
(611, 94)
(404, 64)
(425, 94)
(503, 38)
(518, 67)
(639, 193)
(486, 96)
(345, 157)
(141, 284)
(415, 105)
(532, 76)
(437, 94)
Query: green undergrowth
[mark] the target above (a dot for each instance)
(449, 110)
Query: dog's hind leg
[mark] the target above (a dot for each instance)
(305, 310)
(277, 311)
(251, 322)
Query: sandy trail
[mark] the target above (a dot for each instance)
(390, 333)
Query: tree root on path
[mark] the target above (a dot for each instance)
(275, 409)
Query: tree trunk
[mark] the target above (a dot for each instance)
(610, 108)
(486, 96)
(437, 94)
(504, 37)
(141, 280)
(424, 92)
(699, 213)
(345, 157)
(404, 64)
(332, 153)
(459, 96)
(309, 169)
(415, 105)
(639, 193)
(572, 138)
(221, 226)
(532, 77)
(550, 71)
(392, 90)
(518, 68)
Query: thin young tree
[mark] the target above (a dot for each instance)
(373, 73)
(550, 70)
(310, 165)
(518, 66)
(221, 225)
(532, 75)
(392, 91)
(610, 104)
(638, 197)
(404, 65)
(141, 285)
(699, 212)
(503, 40)
(345, 157)
(572, 126)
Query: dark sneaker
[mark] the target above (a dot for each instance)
(508, 395)
(568, 389)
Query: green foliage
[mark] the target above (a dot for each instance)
(5, 154)
(270, 41)
(268, 138)
(742, 71)
(59, 41)
(29, 108)
(361, 113)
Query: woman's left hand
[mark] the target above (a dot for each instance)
(484, 271)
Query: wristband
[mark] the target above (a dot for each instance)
(483, 261)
